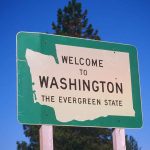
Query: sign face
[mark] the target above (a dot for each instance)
(77, 82)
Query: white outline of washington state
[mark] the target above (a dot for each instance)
(115, 69)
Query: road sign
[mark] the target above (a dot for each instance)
(77, 82)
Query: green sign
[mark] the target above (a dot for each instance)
(77, 82)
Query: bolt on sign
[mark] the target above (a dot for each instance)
(77, 82)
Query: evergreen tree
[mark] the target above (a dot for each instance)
(22, 145)
(77, 138)
(31, 132)
(72, 21)
(131, 143)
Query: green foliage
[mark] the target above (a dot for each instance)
(31, 132)
(22, 145)
(72, 21)
(75, 138)
(131, 143)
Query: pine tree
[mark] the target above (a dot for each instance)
(31, 132)
(72, 21)
(131, 143)
(76, 138)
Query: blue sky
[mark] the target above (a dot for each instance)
(125, 21)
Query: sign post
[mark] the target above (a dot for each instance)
(119, 142)
(46, 137)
